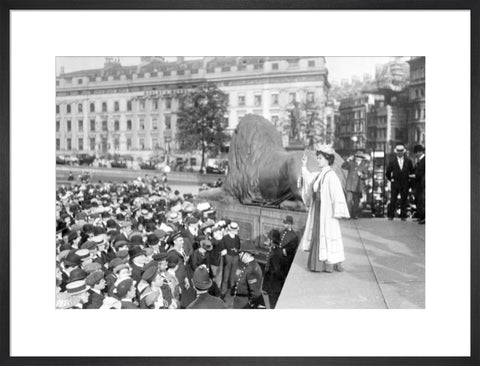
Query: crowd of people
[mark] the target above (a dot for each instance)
(142, 245)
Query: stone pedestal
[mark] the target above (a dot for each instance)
(255, 223)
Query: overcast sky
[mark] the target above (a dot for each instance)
(338, 67)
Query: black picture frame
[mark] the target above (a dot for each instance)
(6, 6)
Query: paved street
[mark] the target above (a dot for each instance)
(384, 269)
(184, 182)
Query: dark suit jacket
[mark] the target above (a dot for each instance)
(399, 177)
(129, 305)
(207, 301)
(420, 173)
(289, 242)
(95, 300)
(355, 183)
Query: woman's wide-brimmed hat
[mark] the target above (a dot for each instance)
(326, 149)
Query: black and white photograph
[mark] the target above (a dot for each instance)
(261, 183)
(240, 182)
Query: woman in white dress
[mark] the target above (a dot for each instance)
(322, 193)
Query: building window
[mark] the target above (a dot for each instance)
(129, 144)
(241, 100)
(311, 63)
(57, 109)
(92, 144)
(258, 100)
(69, 144)
(142, 105)
(142, 124)
(104, 126)
(92, 125)
(274, 66)
(129, 125)
(57, 126)
(129, 105)
(168, 122)
(104, 107)
(292, 97)
(154, 143)
(142, 144)
(154, 124)
(69, 126)
(58, 144)
(80, 144)
(422, 92)
(80, 126)
(79, 81)
(117, 125)
(155, 104)
(116, 144)
(92, 107)
(116, 106)
(69, 108)
(274, 99)
(168, 103)
(80, 108)
(311, 97)
(416, 93)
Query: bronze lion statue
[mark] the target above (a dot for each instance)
(260, 170)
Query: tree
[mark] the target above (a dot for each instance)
(201, 121)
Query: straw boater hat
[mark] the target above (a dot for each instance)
(399, 148)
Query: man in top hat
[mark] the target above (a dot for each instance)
(419, 182)
(231, 243)
(274, 269)
(248, 287)
(288, 243)
(398, 173)
(202, 283)
(355, 184)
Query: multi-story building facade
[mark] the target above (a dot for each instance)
(351, 130)
(387, 122)
(133, 109)
(416, 97)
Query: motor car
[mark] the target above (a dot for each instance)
(60, 160)
(85, 159)
(118, 164)
(148, 165)
(214, 170)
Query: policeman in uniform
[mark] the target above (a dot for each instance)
(248, 287)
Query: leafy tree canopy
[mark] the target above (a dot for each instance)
(201, 120)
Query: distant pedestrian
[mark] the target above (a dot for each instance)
(355, 185)
(419, 183)
(398, 173)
